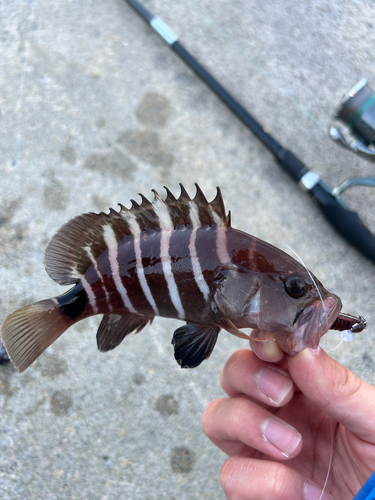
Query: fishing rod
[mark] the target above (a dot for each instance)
(347, 223)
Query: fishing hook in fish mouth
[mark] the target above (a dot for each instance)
(349, 322)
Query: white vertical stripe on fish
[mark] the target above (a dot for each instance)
(93, 260)
(197, 270)
(215, 217)
(131, 221)
(221, 239)
(221, 244)
(194, 214)
(112, 244)
(162, 211)
(136, 230)
(90, 294)
(168, 274)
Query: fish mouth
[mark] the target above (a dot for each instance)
(314, 321)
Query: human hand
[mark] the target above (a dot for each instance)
(280, 435)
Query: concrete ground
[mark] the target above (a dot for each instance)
(95, 109)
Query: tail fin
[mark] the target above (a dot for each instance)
(29, 331)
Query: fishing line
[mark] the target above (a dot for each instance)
(346, 335)
(326, 343)
(330, 459)
(330, 418)
(334, 348)
(308, 272)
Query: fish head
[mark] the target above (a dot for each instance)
(301, 316)
(289, 302)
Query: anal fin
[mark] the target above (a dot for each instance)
(194, 343)
(114, 328)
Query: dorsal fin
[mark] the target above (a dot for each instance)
(79, 242)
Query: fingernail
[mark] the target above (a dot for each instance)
(274, 383)
(312, 492)
(281, 435)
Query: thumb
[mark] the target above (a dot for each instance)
(336, 390)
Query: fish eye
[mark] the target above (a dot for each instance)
(295, 287)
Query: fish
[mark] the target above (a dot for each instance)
(175, 258)
(4, 358)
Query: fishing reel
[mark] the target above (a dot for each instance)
(357, 112)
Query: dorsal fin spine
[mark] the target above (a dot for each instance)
(184, 193)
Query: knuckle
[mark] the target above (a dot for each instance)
(351, 384)
(341, 386)
(240, 408)
(279, 482)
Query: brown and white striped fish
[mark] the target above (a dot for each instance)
(176, 258)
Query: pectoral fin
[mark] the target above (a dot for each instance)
(114, 328)
(193, 344)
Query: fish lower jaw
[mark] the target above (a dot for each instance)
(294, 343)
(303, 339)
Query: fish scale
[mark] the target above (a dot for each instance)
(175, 258)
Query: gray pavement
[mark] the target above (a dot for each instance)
(94, 109)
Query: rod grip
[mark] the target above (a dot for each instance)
(347, 223)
